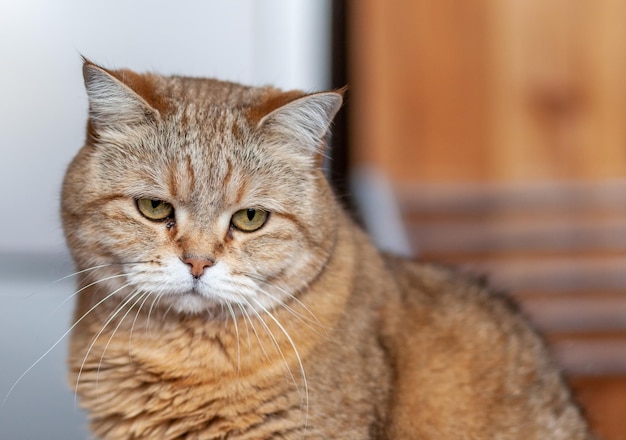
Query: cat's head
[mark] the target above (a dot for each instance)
(199, 193)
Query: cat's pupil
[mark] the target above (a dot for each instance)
(155, 203)
(251, 213)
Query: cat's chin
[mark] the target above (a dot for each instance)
(192, 303)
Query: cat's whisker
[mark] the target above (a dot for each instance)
(102, 280)
(86, 270)
(245, 321)
(64, 278)
(156, 300)
(234, 317)
(247, 315)
(138, 295)
(296, 353)
(111, 316)
(314, 320)
(58, 341)
(254, 330)
(146, 295)
(268, 330)
(79, 272)
(167, 311)
(311, 324)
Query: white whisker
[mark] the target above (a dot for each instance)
(80, 272)
(34, 364)
(311, 324)
(232, 314)
(313, 320)
(245, 315)
(134, 295)
(113, 314)
(132, 328)
(297, 354)
(168, 310)
(277, 345)
(157, 298)
(66, 277)
(121, 275)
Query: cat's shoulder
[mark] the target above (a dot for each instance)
(458, 345)
(460, 323)
(447, 294)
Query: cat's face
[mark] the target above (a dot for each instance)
(198, 195)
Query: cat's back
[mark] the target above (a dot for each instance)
(437, 296)
(468, 364)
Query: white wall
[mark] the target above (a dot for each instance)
(43, 104)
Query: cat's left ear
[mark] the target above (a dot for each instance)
(304, 121)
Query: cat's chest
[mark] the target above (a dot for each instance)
(161, 387)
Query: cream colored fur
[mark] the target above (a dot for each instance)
(300, 329)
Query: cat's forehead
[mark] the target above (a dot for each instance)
(209, 90)
(205, 178)
(202, 98)
(211, 127)
(208, 114)
(209, 160)
(201, 141)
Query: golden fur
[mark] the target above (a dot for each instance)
(300, 329)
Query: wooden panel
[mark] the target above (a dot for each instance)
(558, 97)
(494, 91)
(418, 84)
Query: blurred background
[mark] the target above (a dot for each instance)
(499, 129)
(487, 135)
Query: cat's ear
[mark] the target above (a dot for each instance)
(113, 99)
(304, 121)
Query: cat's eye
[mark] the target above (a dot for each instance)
(155, 209)
(249, 220)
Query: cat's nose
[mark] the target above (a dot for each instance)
(198, 264)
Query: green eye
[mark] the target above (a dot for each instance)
(249, 220)
(155, 209)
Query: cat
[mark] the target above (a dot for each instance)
(225, 293)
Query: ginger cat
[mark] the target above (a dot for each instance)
(224, 293)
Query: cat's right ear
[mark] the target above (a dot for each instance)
(113, 102)
(304, 122)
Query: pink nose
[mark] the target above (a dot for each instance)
(198, 264)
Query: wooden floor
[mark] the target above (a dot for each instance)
(604, 401)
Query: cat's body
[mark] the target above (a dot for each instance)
(241, 302)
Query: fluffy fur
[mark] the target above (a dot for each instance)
(189, 327)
